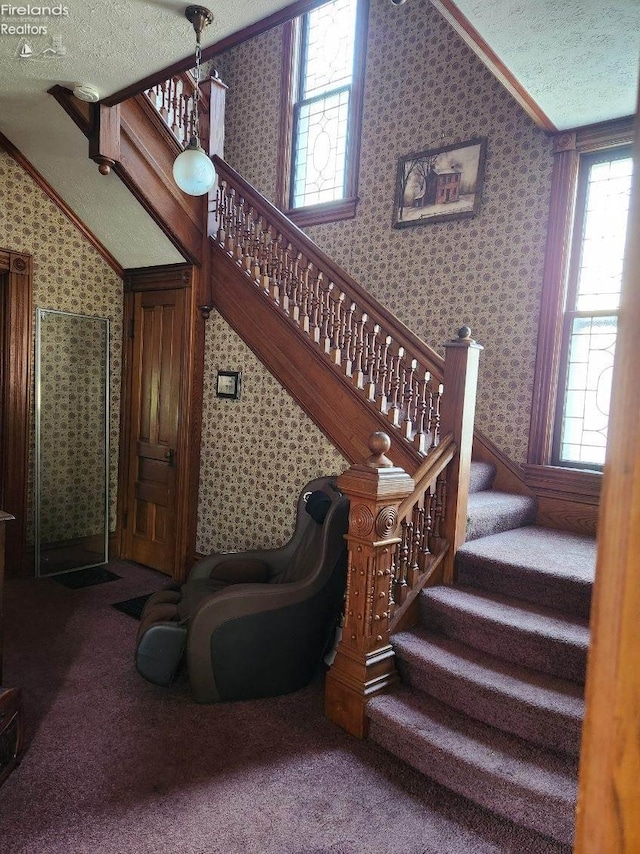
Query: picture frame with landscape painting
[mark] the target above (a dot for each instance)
(439, 184)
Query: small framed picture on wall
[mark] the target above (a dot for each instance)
(228, 384)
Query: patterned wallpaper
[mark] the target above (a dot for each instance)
(73, 365)
(68, 274)
(425, 86)
(257, 452)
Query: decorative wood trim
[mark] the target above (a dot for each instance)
(608, 792)
(290, 51)
(15, 400)
(487, 55)
(509, 475)
(81, 112)
(164, 277)
(279, 17)
(320, 214)
(42, 182)
(556, 482)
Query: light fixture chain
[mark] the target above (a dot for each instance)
(195, 123)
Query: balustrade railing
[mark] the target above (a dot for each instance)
(174, 100)
(395, 372)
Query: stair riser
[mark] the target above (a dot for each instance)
(566, 595)
(481, 476)
(506, 798)
(548, 655)
(540, 726)
(484, 525)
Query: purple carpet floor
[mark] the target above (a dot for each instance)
(114, 765)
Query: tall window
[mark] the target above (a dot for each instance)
(591, 314)
(323, 70)
(587, 234)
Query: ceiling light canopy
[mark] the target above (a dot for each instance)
(193, 170)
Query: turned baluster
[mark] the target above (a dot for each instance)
(264, 253)
(439, 506)
(305, 296)
(413, 570)
(220, 211)
(164, 112)
(383, 373)
(176, 103)
(434, 421)
(230, 219)
(427, 529)
(406, 535)
(316, 308)
(348, 339)
(373, 363)
(394, 387)
(409, 397)
(276, 268)
(295, 287)
(359, 349)
(325, 329)
(337, 327)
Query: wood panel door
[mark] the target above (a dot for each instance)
(157, 365)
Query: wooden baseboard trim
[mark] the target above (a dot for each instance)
(42, 182)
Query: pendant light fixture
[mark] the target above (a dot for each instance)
(193, 170)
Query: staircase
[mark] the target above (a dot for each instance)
(492, 676)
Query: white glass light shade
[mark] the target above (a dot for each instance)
(193, 171)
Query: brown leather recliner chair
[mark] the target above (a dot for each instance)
(254, 624)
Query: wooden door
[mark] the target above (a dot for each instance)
(156, 368)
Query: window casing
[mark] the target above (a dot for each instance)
(571, 304)
(322, 86)
(591, 309)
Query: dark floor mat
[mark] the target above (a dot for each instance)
(85, 577)
(132, 607)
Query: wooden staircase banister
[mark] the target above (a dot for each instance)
(412, 344)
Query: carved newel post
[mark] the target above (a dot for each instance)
(364, 664)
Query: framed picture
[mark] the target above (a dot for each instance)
(440, 184)
(228, 384)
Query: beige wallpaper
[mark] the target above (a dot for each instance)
(423, 87)
(257, 452)
(68, 275)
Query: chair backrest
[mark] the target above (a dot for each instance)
(318, 545)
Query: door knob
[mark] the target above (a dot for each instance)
(169, 455)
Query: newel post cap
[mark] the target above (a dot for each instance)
(464, 339)
(376, 478)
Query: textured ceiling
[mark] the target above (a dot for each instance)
(578, 59)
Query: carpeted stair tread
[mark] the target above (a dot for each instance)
(536, 637)
(540, 708)
(529, 785)
(548, 567)
(481, 476)
(490, 512)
